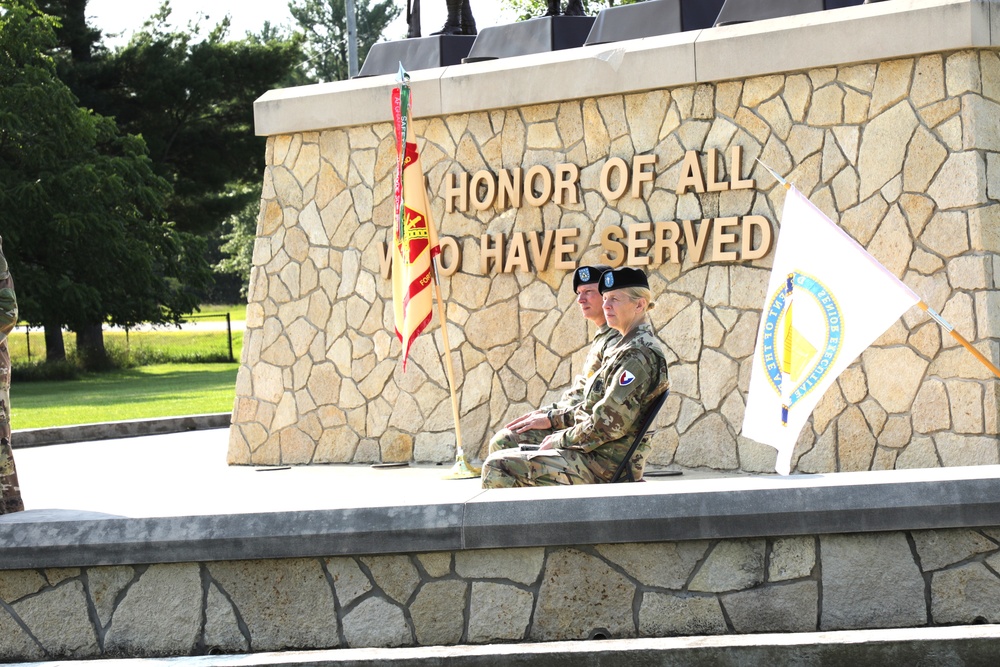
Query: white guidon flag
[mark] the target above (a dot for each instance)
(843, 300)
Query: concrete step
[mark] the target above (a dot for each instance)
(968, 645)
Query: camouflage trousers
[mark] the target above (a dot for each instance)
(507, 468)
(507, 439)
(10, 491)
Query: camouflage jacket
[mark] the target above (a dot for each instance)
(604, 340)
(615, 400)
(8, 302)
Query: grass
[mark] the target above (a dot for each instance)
(165, 390)
(137, 348)
(164, 372)
(218, 313)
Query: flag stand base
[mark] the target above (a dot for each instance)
(462, 470)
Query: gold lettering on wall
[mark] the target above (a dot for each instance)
(540, 252)
(564, 250)
(488, 253)
(721, 238)
(635, 244)
(665, 240)
(449, 261)
(544, 193)
(736, 171)
(614, 251)
(614, 166)
(712, 182)
(483, 180)
(566, 177)
(509, 190)
(451, 255)
(690, 174)
(766, 237)
(639, 176)
(694, 241)
(456, 188)
(725, 239)
(517, 254)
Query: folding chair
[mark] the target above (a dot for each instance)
(625, 465)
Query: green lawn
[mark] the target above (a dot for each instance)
(166, 373)
(218, 313)
(161, 345)
(166, 390)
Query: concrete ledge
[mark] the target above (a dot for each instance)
(36, 437)
(861, 33)
(763, 506)
(67, 539)
(589, 71)
(959, 645)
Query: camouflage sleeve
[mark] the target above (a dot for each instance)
(8, 301)
(615, 413)
(571, 398)
(561, 412)
(561, 417)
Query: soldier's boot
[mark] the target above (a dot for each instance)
(468, 22)
(453, 24)
(553, 9)
(574, 8)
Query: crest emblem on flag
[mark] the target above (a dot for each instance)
(815, 337)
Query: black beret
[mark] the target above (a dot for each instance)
(588, 275)
(622, 278)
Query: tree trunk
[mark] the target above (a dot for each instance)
(90, 348)
(55, 348)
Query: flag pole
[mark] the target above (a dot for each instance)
(959, 337)
(461, 469)
(922, 304)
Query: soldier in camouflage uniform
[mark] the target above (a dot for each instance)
(11, 498)
(592, 439)
(532, 428)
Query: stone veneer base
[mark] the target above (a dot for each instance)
(731, 556)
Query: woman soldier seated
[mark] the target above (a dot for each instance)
(595, 437)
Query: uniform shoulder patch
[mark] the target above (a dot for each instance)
(631, 373)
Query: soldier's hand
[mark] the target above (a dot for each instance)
(549, 442)
(514, 424)
(532, 422)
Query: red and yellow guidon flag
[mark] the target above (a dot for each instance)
(415, 240)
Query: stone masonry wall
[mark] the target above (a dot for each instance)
(904, 154)
(793, 584)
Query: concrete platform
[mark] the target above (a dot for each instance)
(172, 498)
(969, 645)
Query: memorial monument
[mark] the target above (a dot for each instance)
(604, 155)
(640, 153)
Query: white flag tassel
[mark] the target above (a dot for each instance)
(844, 300)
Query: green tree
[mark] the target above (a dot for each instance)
(190, 95)
(237, 247)
(192, 100)
(324, 23)
(81, 208)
